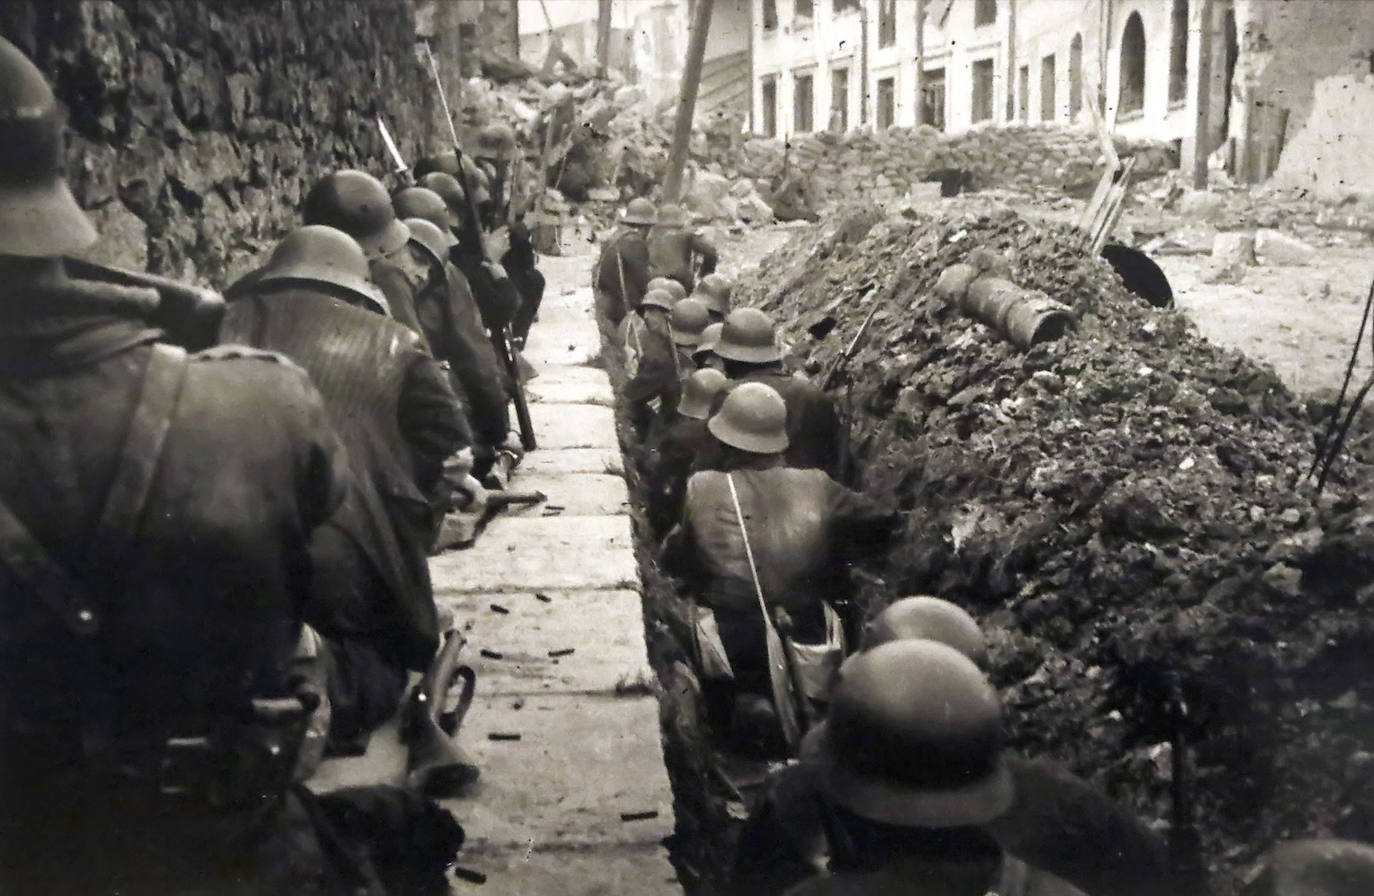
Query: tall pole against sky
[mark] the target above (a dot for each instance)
(687, 101)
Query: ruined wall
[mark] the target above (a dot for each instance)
(196, 127)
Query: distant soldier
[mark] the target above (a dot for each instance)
(803, 529)
(357, 203)
(673, 288)
(715, 291)
(155, 514)
(399, 419)
(677, 250)
(661, 344)
(749, 347)
(681, 442)
(621, 276)
(704, 355)
(514, 249)
(909, 767)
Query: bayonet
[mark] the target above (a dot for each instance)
(402, 169)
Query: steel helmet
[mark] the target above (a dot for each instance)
(748, 336)
(697, 392)
(687, 321)
(932, 619)
(356, 203)
(639, 212)
(495, 141)
(39, 216)
(670, 214)
(657, 298)
(448, 189)
(435, 240)
(419, 202)
(446, 162)
(718, 289)
(674, 288)
(316, 253)
(913, 739)
(752, 418)
(707, 344)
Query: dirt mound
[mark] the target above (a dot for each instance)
(1119, 508)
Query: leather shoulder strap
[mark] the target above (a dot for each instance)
(35, 569)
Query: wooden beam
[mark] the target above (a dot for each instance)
(687, 101)
(603, 36)
(1202, 106)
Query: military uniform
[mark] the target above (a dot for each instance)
(622, 273)
(813, 423)
(673, 253)
(670, 460)
(199, 577)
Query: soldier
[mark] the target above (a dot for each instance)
(652, 360)
(497, 148)
(678, 251)
(748, 345)
(803, 528)
(704, 355)
(493, 290)
(155, 512)
(922, 616)
(621, 277)
(399, 419)
(909, 766)
(421, 202)
(683, 439)
(715, 290)
(357, 203)
(671, 286)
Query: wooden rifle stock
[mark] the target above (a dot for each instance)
(436, 765)
(190, 315)
(522, 408)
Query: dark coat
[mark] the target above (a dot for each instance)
(623, 281)
(668, 464)
(497, 298)
(202, 611)
(673, 252)
(813, 423)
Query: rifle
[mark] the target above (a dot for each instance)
(190, 315)
(832, 379)
(436, 766)
(503, 343)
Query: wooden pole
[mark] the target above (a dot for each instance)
(920, 62)
(1202, 107)
(687, 101)
(603, 36)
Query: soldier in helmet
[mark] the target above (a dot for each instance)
(682, 440)
(156, 510)
(399, 419)
(704, 355)
(910, 769)
(496, 295)
(621, 276)
(496, 148)
(655, 360)
(802, 527)
(715, 290)
(677, 250)
(749, 348)
(671, 286)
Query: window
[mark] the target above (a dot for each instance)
(1023, 93)
(839, 100)
(1132, 96)
(803, 9)
(932, 99)
(982, 90)
(887, 22)
(887, 102)
(984, 12)
(801, 104)
(1047, 88)
(845, 5)
(1178, 53)
(770, 15)
(1076, 76)
(770, 107)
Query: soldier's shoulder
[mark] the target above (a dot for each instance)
(245, 353)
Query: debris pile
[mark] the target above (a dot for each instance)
(1119, 507)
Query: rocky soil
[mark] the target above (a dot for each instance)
(1120, 508)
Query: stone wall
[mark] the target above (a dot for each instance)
(197, 127)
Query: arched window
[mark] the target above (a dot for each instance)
(1131, 97)
(1178, 52)
(1076, 76)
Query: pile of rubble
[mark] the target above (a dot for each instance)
(1123, 507)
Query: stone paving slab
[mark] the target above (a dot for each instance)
(580, 764)
(541, 554)
(603, 629)
(571, 460)
(541, 390)
(623, 870)
(579, 494)
(570, 342)
(572, 374)
(574, 426)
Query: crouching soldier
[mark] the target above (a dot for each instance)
(399, 419)
(756, 531)
(715, 291)
(683, 440)
(677, 251)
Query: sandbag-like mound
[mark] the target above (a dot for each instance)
(1118, 508)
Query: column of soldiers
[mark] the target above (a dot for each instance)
(899, 781)
(213, 557)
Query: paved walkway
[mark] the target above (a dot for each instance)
(580, 803)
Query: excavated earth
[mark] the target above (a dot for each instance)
(1123, 508)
